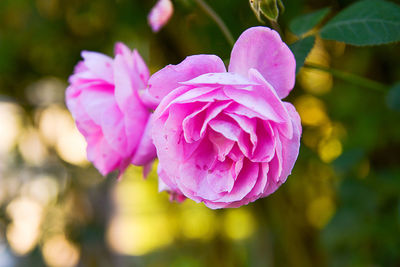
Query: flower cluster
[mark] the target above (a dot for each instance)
(222, 137)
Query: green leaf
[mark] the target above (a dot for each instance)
(268, 8)
(370, 22)
(304, 23)
(301, 49)
(393, 97)
(281, 6)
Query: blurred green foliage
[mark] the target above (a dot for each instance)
(340, 206)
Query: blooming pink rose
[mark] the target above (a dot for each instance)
(227, 138)
(160, 14)
(108, 100)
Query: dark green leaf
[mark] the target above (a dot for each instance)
(301, 49)
(304, 23)
(393, 97)
(370, 22)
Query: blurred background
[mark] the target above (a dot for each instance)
(340, 207)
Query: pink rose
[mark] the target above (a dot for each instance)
(227, 138)
(160, 14)
(108, 100)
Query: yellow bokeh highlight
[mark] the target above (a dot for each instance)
(71, 147)
(58, 129)
(197, 221)
(10, 126)
(134, 194)
(311, 110)
(320, 211)
(59, 252)
(315, 81)
(23, 232)
(139, 235)
(53, 121)
(239, 224)
(42, 188)
(333, 129)
(141, 223)
(312, 80)
(329, 149)
(32, 148)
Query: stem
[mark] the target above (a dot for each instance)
(350, 77)
(276, 27)
(210, 12)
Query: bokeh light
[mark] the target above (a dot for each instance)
(23, 232)
(139, 235)
(197, 221)
(32, 147)
(320, 211)
(71, 147)
(42, 188)
(329, 149)
(141, 223)
(239, 224)
(59, 252)
(311, 110)
(316, 81)
(10, 126)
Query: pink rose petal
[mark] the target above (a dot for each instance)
(262, 48)
(164, 81)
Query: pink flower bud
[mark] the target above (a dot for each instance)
(160, 14)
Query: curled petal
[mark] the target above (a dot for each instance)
(267, 92)
(226, 78)
(102, 155)
(219, 177)
(123, 50)
(244, 183)
(98, 66)
(114, 130)
(262, 49)
(141, 68)
(193, 173)
(290, 147)
(228, 128)
(94, 102)
(258, 102)
(221, 144)
(191, 125)
(145, 151)
(167, 79)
